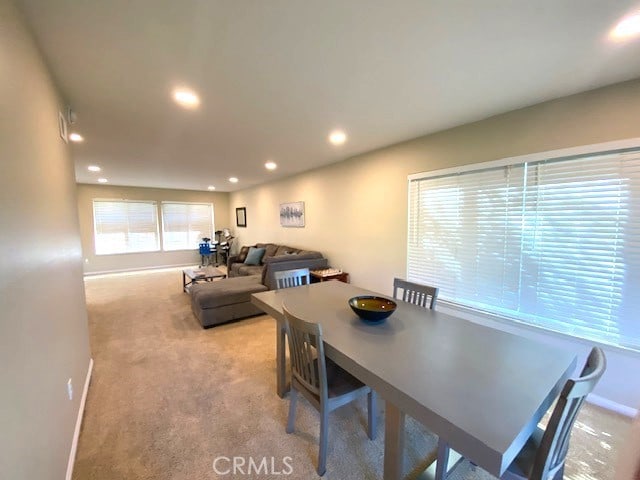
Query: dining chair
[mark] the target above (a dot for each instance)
(416, 293)
(323, 383)
(292, 278)
(544, 454)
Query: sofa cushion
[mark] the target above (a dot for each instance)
(284, 250)
(309, 254)
(245, 269)
(304, 255)
(235, 269)
(254, 257)
(226, 292)
(242, 255)
(270, 249)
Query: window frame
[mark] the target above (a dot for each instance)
(162, 221)
(564, 154)
(154, 203)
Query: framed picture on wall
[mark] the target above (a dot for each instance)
(241, 217)
(292, 214)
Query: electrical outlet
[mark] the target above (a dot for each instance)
(70, 389)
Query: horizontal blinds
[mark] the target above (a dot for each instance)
(551, 243)
(122, 226)
(464, 233)
(185, 224)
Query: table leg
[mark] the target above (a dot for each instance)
(281, 361)
(393, 442)
(442, 463)
(184, 283)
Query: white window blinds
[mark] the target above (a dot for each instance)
(185, 224)
(122, 226)
(552, 243)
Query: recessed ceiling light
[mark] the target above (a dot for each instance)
(270, 165)
(76, 137)
(337, 137)
(102, 180)
(93, 168)
(626, 28)
(233, 179)
(211, 188)
(186, 98)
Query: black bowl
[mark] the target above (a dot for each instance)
(372, 309)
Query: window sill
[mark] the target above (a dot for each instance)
(490, 319)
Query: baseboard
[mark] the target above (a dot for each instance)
(139, 269)
(611, 405)
(76, 433)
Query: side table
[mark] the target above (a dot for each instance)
(325, 275)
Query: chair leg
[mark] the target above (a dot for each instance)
(324, 440)
(372, 420)
(292, 410)
(559, 474)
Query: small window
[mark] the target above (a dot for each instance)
(185, 224)
(123, 226)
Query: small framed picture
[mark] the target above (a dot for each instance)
(62, 126)
(292, 214)
(241, 217)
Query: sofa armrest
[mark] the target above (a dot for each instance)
(238, 257)
(312, 262)
(232, 259)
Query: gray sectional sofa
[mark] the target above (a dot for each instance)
(276, 258)
(230, 299)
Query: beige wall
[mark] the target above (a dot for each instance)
(131, 261)
(43, 321)
(357, 209)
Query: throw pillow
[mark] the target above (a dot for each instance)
(242, 256)
(254, 256)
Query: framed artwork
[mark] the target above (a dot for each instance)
(292, 214)
(241, 217)
(62, 127)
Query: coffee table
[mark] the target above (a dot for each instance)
(195, 275)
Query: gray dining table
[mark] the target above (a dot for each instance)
(481, 390)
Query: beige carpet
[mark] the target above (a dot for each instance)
(167, 398)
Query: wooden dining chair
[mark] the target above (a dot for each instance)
(416, 293)
(292, 278)
(323, 383)
(544, 454)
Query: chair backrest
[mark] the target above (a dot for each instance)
(555, 441)
(308, 365)
(421, 295)
(292, 278)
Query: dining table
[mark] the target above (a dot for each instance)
(481, 390)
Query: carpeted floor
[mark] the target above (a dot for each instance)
(168, 398)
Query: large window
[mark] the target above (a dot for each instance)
(122, 226)
(185, 224)
(553, 243)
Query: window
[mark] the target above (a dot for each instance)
(553, 243)
(185, 224)
(123, 226)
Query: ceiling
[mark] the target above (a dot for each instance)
(275, 77)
